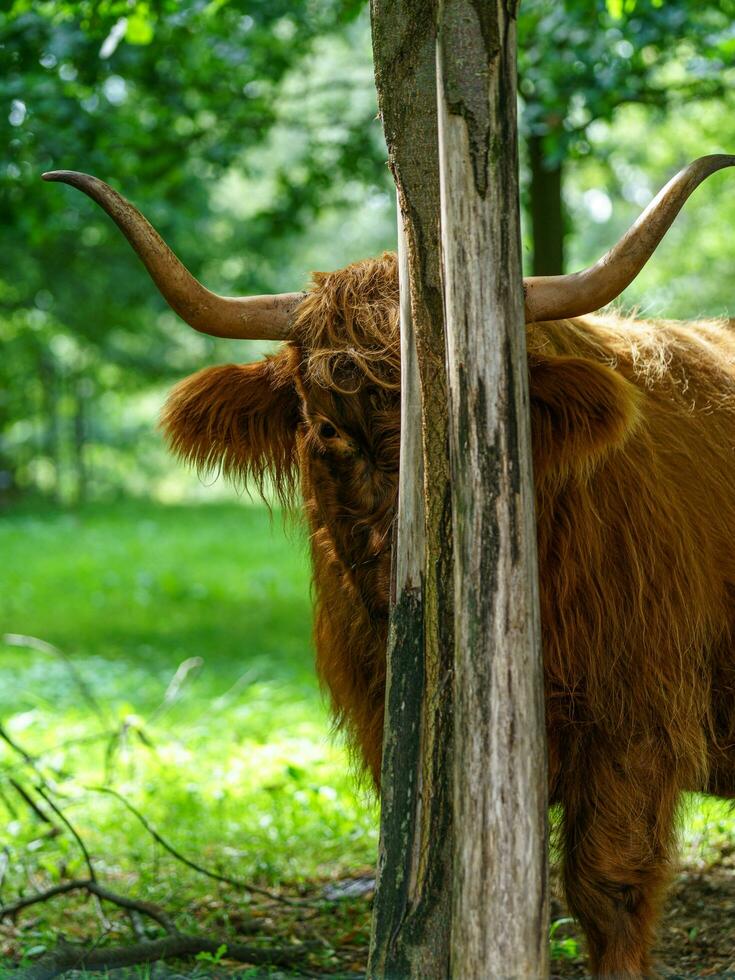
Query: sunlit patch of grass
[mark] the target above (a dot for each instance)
(563, 947)
(708, 829)
(233, 763)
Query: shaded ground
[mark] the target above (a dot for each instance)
(336, 932)
(697, 936)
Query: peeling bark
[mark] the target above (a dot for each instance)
(500, 901)
(412, 909)
(462, 868)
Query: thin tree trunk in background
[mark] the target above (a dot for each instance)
(547, 210)
(8, 485)
(81, 393)
(50, 413)
(500, 890)
(412, 905)
(8, 461)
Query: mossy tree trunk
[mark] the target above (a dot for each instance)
(460, 751)
(499, 884)
(411, 922)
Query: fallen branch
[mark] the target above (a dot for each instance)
(150, 909)
(25, 756)
(70, 827)
(92, 888)
(7, 911)
(215, 876)
(74, 958)
(31, 803)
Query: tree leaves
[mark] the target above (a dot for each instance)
(580, 60)
(163, 101)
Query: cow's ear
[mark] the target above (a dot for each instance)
(580, 411)
(240, 420)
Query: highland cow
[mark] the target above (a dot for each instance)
(633, 432)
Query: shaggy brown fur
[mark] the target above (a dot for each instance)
(634, 456)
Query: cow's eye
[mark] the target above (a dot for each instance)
(327, 430)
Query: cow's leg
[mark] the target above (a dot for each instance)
(618, 830)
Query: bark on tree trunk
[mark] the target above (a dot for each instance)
(547, 210)
(494, 876)
(500, 901)
(81, 393)
(50, 418)
(400, 793)
(412, 905)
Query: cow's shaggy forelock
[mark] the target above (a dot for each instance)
(633, 431)
(347, 327)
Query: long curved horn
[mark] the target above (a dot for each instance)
(246, 317)
(557, 297)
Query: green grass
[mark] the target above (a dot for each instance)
(238, 771)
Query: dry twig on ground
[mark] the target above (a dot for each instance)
(92, 887)
(214, 875)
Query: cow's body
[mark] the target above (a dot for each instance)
(633, 427)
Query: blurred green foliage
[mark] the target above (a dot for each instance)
(581, 60)
(580, 63)
(247, 130)
(691, 273)
(241, 128)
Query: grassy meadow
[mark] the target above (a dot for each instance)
(186, 684)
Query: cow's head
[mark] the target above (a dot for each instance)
(322, 413)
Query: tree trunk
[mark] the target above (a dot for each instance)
(400, 780)
(50, 418)
(547, 210)
(8, 486)
(81, 393)
(8, 460)
(413, 901)
(500, 901)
